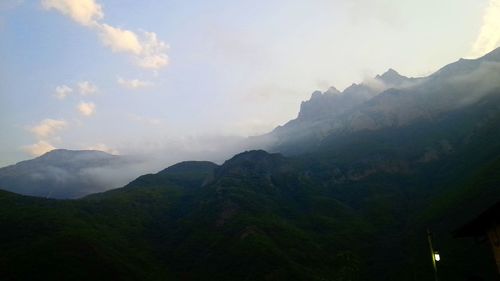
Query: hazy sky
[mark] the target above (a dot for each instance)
(126, 76)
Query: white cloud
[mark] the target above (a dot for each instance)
(120, 40)
(48, 127)
(149, 51)
(375, 84)
(133, 83)
(153, 61)
(154, 54)
(103, 147)
(62, 91)
(39, 148)
(86, 108)
(489, 34)
(84, 12)
(86, 88)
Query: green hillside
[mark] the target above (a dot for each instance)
(354, 205)
(259, 216)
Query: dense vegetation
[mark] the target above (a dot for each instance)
(353, 205)
(259, 216)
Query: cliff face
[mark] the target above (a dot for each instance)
(390, 100)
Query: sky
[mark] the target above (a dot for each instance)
(128, 76)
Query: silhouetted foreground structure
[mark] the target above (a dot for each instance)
(485, 227)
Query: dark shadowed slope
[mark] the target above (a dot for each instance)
(258, 216)
(354, 205)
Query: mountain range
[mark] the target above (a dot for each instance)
(346, 192)
(389, 100)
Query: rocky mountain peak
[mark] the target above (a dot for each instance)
(316, 95)
(392, 77)
(333, 91)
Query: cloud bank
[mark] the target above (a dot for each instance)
(45, 131)
(39, 148)
(489, 34)
(103, 147)
(48, 127)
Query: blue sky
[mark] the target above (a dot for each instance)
(125, 76)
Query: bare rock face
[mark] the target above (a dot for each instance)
(389, 100)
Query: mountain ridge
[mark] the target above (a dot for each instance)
(360, 107)
(64, 173)
(351, 201)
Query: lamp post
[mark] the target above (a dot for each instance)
(437, 257)
(434, 254)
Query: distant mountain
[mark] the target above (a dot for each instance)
(259, 216)
(361, 176)
(389, 100)
(64, 173)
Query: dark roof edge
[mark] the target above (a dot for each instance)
(480, 225)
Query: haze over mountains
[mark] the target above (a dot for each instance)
(226, 140)
(359, 176)
(389, 100)
(69, 174)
